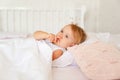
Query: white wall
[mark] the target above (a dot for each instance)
(37, 3)
(109, 16)
(101, 16)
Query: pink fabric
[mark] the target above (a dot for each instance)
(98, 60)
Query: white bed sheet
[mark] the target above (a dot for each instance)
(68, 73)
(20, 59)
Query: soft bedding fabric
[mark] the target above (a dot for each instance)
(105, 37)
(98, 60)
(64, 60)
(10, 35)
(68, 73)
(20, 59)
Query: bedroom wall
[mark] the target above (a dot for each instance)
(101, 15)
(109, 16)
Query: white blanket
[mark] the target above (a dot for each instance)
(20, 59)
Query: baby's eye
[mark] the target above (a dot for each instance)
(66, 36)
(61, 31)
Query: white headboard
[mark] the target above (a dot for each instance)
(30, 20)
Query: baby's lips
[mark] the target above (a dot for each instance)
(57, 39)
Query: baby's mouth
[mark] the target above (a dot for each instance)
(57, 39)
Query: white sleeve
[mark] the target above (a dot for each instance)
(64, 60)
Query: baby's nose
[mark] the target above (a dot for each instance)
(60, 36)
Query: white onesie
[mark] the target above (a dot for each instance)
(44, 45)
(53, 46)
(64, 60)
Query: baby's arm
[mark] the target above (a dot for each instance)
(40, 35)
(57, 54)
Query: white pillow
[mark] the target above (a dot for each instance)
(115, 39)
(92, 36)
(105, 37)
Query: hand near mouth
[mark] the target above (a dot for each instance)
(51, 37)
(56, 40)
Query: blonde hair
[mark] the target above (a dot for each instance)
(78, 33)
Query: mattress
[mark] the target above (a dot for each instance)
(68, 73)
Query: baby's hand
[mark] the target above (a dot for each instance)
(51, 37)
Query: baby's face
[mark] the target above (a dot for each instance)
(65, 37)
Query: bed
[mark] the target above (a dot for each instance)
(68, 73)
(88, 61)
(25, 62)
